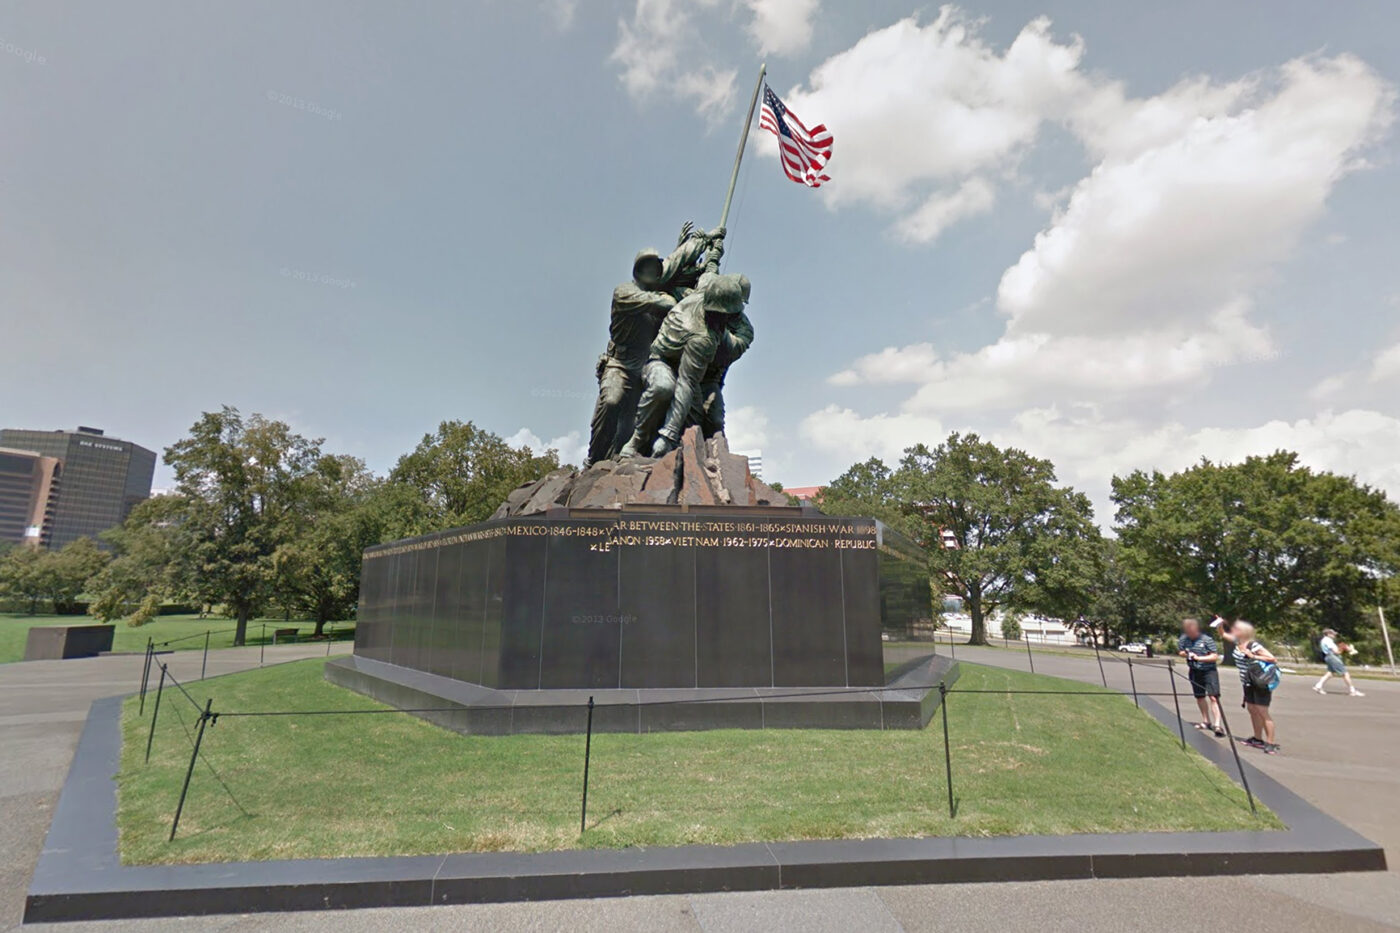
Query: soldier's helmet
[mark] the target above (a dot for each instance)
(647, 257)
(724, 294)
(746, 287)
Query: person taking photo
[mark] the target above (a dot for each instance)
(1202, 658)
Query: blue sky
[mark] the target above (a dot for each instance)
(1117, 235)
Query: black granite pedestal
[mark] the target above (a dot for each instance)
(51, 642)
(652, 599)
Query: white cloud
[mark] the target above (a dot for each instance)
(1386, 365)
(892, 364)
(1006, 373)
(1185, 217)
(915, 107)
(1327, 387)
(746, 428)
(782, 27)
(1088, 449)
(653, 49)
(571, 447)
(1146, 277)
(853, 438)
(1017, 369)
(943, 209)
(561, 13)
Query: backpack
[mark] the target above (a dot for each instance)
(1263, 675)
(1318, 654)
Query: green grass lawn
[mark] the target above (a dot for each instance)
(391, 784)
(189, 629)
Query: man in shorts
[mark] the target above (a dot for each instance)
(1332, 657)
(1256, 699)
(1201, 657)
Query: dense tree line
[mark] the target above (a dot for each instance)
(263, 519)
(1269, 540)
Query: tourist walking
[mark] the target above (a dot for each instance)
(1201, 657)
(1332, 657)
(1256, 698)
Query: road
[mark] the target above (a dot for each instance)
(1340, 753)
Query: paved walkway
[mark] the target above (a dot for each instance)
(1340, 753)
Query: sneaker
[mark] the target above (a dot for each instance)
(1252, 742)
(1270, 749)
(1318, 689)
(1219, 733)
(1356, 693)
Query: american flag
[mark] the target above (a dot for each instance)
(803, 152)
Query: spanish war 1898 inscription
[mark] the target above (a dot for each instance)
(702, 598)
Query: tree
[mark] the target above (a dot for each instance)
(318, 568)
(69, 571)
(462, 473)
(244, 485)
(1016, 539)
(24, 573)
(1266, 539)
(144, 570)
(1118, 608)
(870, 489)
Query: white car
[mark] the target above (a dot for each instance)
(1133, 647)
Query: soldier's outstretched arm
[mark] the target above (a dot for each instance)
(684, 258)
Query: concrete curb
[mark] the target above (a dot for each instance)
(80, 876)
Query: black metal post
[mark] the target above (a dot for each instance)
(952, 649)
(1133, 679)
(189, 772)
(1238, 764)
(947, 749)
(262, 645)
(204, 664)
(146, 672)
(1180, 726)
(1028, 651)
(587, 754)
(328, 641)
(155, 714)
(1097, 657)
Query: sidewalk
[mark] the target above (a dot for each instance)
(1339, 753)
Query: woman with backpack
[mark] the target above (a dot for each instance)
(1257, 695)
(1332, 656)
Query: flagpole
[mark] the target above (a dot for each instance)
(743, 138)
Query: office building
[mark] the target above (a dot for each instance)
(755, 462)
(28, 494)
(100, 478)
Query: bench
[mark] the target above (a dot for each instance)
(279, 634)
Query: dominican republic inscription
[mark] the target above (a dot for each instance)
(720, 599)
(664, 532)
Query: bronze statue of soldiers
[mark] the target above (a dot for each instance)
(734, 342)
(638, 308)
(681, 357)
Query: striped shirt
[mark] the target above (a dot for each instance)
(1201, 644)
(1242, 662)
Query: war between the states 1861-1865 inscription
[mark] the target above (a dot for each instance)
(708, 597)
